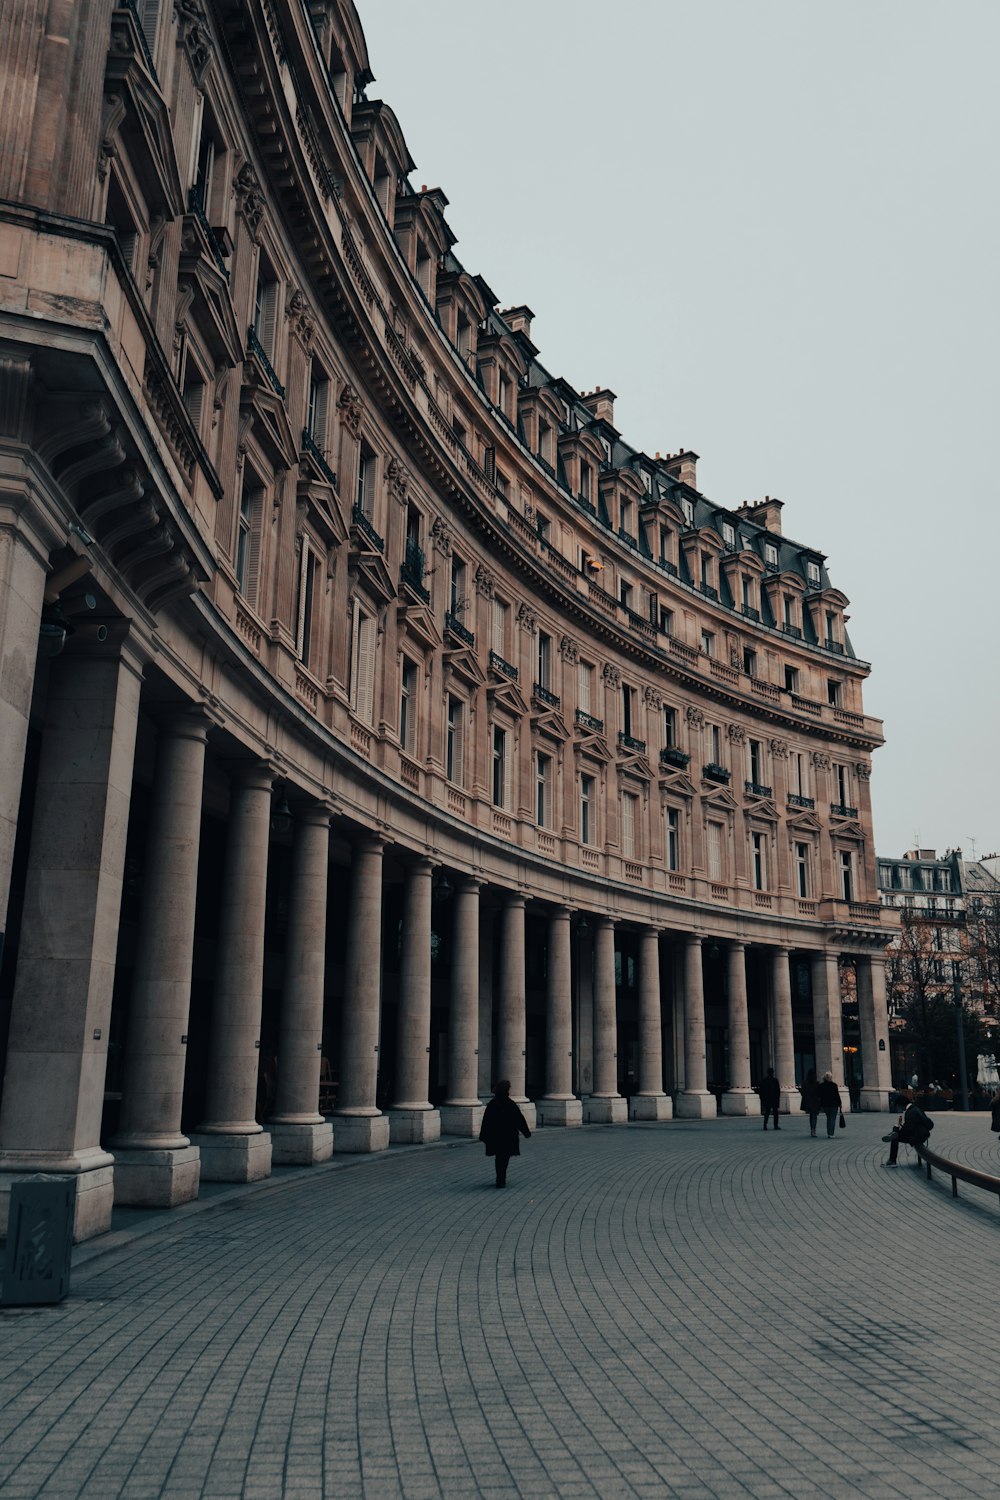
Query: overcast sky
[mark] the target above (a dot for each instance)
(772, 228)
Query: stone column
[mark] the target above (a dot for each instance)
(739, 1098)
(411, 1118)
(873, 1014)
(155, 1164)
(606, 1107)
(650, 1103)
(511, 1040)
(50, 1117)
(784, 1034)
(299, 1134)
(694, 1102)
(827, 1020)
(359, 1125)
(559, 1106)
(234, 1147)
(484, 1072)
(462, 1113)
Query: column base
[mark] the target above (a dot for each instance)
(651, 1107)
(150, 1177)
(559, 1112)
(791, 1102)
(95, 1193)
(355, 1134)
(462, 1119)
(741, 1102)
(875, 1099)
(234, 1158)
(695, 1106)
(412, 1127)
(607, 1109)
(301, 1145)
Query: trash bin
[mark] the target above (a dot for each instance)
(39, 1241)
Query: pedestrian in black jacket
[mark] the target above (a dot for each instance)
(913, 1130)
(769, 1090)
(502, 1124)
(829, 1102)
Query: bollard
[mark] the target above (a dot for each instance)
(39, 1241)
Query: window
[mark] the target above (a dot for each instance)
(585, 687)
(625, 517)
(729, 534)
(846, 875)
(454, 756)
(460, 430)
(673, 839)
(308, 572)
(770, 555)
(759, 860)
(587, 811)
(501, 615)
(706, 570)
(687, 507)
(747, 587)
(365, 496)
(502, 483)
(193, 392)
(713, 736)
(543, 665)
(318, 405)
(812, 572)
(707, 643)
(789, 606)
(833, 692)
(628, 708)
(791, 679)
(630, 825)
(797, 766)
(802, 870)
(831, 629)
(544, 442)
(248, 535)
(586, 483)
(749, 662)
(503, 395)
(363, 665)
(625, 593)
(408, 707)
(543, 790)
(843, 778)
(670, 729)
(756, 756)
(501, 768)
(666, 620)
(456, 594)
(265, 309)
(666, 545)
(715, 866)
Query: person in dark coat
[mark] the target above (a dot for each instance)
(502, 1125)
(829, 1102)
(769, 1090)
(995, 1112)
(810, 1099)
(913, 1130)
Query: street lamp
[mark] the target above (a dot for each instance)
(956, 979)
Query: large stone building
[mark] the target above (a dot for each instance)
(376, 721)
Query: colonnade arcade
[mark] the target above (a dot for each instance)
(291, 979)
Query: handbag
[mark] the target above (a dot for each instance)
(843, 1122)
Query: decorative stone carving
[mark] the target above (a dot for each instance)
(612, 675)
(300, 316)
(527, 619)
(695, 717)
(398, 479)
(350, 408)
(485, 581)
(569, 650)
(249, 198)
(779, 749)
(441, 536)
(734, 655)
(864, 770)
(652, 698)
(821, 760)
(737, 734)
(195, 36)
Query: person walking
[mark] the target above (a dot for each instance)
(503, 1124)
(913, 1130)
(769, 1090)
(810, 1099)
(829, 1102)
(995, 1112)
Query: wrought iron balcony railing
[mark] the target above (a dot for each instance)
(671, 756)
(795, 800)
(714, 772)
(756, 789)
(544, 695)
(412, 570)
(196, 207)
(257, 348)
(587, 721)
(841, 810)
(748, 611)
(505, 669)
(310, 446)
(455, 627)
(366, 528)
(629, 742)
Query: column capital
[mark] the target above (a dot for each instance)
(514, 899)
(560, 913)
(422, 864)
(736, 945)
(189, 721)
(365, 842)
(256, 775)
(468, 885)
(316, 813)
(693, 939)
(779, 952)
(604, 921)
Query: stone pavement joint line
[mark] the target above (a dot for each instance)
(683, 1310)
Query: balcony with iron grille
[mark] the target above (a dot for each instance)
(543, 695)
(257, 349)
(629, 742)
(795, 800)
(361, 523)
(454, 626)
(315, 452)
(587, 721)
(504, 668)
(412, 571)
(837, 647)
(714, 772)
(671, 756)
(787, 628)
(841, 810)
(709, 591)
(749, 613)
(756, 789)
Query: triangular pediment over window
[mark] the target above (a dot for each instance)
(634, 765)
(320, 511)
(593, 745)
(372, 574)
(462, 663)
(549, 724)
(506, 695)
(677, 781)
(763, 809)
(419, 623)
(848, 830)
(804, 822)
(270, 422)
(720, 799)
(210, 300)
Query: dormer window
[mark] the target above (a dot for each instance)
(812, 573)
(544, 442)
(503, 395)
(729, 534)
(687, 506)
(586, 483)
(625, 512)
(770, 556)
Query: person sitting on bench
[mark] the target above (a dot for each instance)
(914, 1128)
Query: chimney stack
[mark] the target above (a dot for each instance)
(601, 405)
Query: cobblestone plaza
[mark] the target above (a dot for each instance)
(665, 1310)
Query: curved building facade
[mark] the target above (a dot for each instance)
(376, 720)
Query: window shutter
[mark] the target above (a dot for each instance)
(498, 624)
(458, 754)
(715, 852)
(253, 549)
(628, 825)
(364, 693)
(507, 758)
(269, 319)
(584, 689)
(150, 16)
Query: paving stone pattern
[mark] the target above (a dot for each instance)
(694, 1309)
